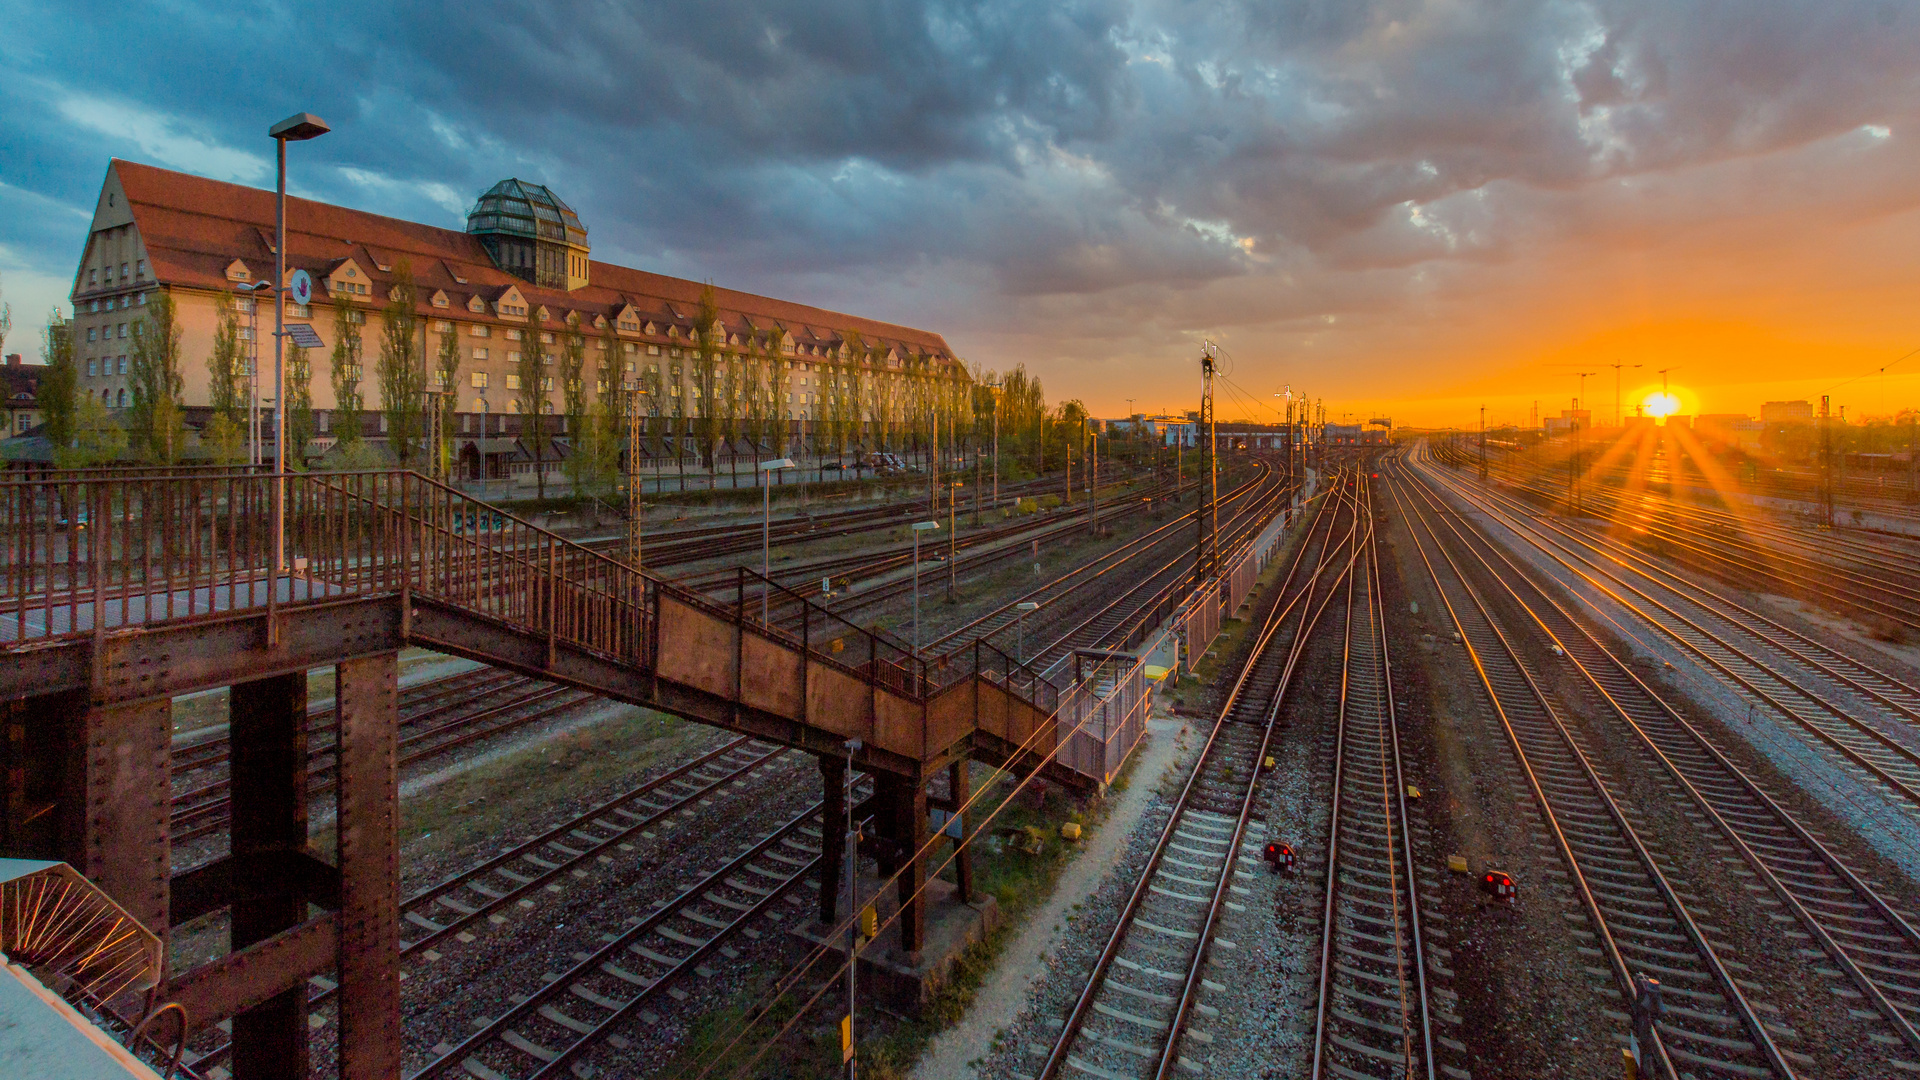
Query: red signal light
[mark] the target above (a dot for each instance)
(1279, 856)
(1499, 885)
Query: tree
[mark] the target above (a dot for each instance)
(705, 374)
(346, 371)
(299, 391)
(223, 439)
(402, 367)
(582, 462)
(6, 323)
(95, 440)
(225, 362)
(156, 420)
(447, 376)
(59, 384)
(533, 398)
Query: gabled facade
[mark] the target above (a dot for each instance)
(154, 229)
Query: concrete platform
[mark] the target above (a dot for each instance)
(899, 981)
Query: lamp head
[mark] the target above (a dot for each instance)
(923, 526)
(299, 128)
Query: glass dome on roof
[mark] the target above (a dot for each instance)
(518, 208)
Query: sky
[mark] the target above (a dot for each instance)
(1403, 208)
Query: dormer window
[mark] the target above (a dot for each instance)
(477, 306)
(440, 299)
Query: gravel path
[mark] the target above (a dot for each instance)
(957, 1052)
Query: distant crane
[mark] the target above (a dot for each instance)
(1616, 366)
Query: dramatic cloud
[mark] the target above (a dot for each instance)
(1378, 200)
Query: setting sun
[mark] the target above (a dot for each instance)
(1660, 404)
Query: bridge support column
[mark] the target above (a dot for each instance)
(904, 803)
(89, 785)
(833, 834)
(267, 732)
(369, 942)
(960, 789)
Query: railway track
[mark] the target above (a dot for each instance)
(1371, 1017)
(454, 906)
(1635, 913)
(1871, 946)
(558, 1029)
(1865, 722)
(434, 719)
(1130, 1018)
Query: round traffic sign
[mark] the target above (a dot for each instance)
(300, 289)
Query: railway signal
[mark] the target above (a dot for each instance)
(1279, 856)
(1499, 885)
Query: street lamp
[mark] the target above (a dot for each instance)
(918, 528)
(766, 525)
(1020, 629)
(296, 128)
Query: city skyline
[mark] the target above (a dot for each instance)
(1401, 210)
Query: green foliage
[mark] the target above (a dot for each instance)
(532, 396)
(706, 361)
(156, 422)
(586, 458)
(356, 456)
(402, 368)
(225, 362)
(299, 391)
(96, 438)
(347, 348)
(59, 384)
(223, 439)
(447, 372)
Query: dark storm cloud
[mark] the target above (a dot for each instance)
(1069, 149)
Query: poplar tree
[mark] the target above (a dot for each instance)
(447, 373)
(157, 421)
(59, 384)
(705, 374)
(532, 397)
(582, 462)
(347, 347)
(401, 367)
(299, 392)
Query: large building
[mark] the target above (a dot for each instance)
(1786, 412)
(524, 256)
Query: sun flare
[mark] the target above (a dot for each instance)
(1660, 404)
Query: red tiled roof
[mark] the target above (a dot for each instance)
(194, 227)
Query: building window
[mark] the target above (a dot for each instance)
(476, 330)
(121, 330)
(93, 276)
(439, 301)
(123, 364)
(90, 368)
(479, 380)
(547, 384)
(546, 337)
(479, 354)
(299, 311)
(443, 327)
(513, 335)
(513, 358)
(89, 333)
(140, 268)
(513, 381)
(123, 271)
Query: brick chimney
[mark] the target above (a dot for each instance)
(13, 359)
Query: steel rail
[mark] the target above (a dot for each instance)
(1697, 766)
(1899, 765)
(1555, 740)
(1302, 600)
(1366, 713)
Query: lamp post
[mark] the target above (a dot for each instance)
(953, 532)
(918, 528)
(767, 469)
(1020, 628)
(296, 128)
